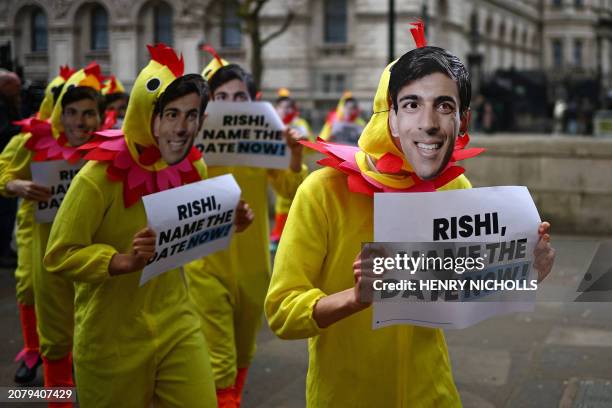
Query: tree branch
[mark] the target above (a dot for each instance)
(258, 6)
(286, 23)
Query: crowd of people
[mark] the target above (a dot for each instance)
(187, 337)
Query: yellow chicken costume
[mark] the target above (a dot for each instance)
(282, 204)
(54, 295)
(133, 345)
(23, 233)
(229, 287)
(350, 364)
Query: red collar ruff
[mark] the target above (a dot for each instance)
(45, 146)
(342, 158)
(110, 147)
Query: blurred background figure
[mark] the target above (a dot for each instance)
(115, 102)
(559, 116)
(344, 124)
(10, 90)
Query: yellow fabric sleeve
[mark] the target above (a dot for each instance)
(286, 182)
(70, 251)
(10, 149)
(15, 162)
(292, 296)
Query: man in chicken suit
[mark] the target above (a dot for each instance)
(421, 110)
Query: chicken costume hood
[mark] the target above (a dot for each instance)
(377, 165)
(52, 92)
(112, 86)
(48, 141)
(132, 152)
(214, 65)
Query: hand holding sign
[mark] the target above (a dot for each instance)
(143, 244)
(143, 249)
(293, 136)
(29, 190)
(363, 272)
(244, 216)
(501, 221)
(192, 221)
(544, 253)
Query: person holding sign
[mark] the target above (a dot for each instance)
(287, 109)
(344, 125)
(411, 143)
(135, 344)
(29, 356)
(229, 287)
(75, 116)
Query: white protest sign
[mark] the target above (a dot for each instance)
(345, 132)
(243, 134)
(504, 219)
(57, 175)
(190, 221)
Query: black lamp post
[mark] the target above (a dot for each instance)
(391, 23)
(475, 57)
(425, 15)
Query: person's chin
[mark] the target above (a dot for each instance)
(174, 158)
(427, 171)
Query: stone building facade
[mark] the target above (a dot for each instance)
(331, 45)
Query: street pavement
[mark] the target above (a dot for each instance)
(560, 355)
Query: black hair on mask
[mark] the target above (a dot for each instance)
(190, 83)
(420, 62)
(78, 93)
(229, 73)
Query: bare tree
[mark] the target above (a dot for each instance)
(249, 13)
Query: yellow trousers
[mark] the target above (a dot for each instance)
(174, 372)
(23, 236)
(231, 322)
(54, 296)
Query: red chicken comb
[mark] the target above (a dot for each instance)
(93, 69)
(166, 56)
(418, 33)
(66, 72)
(209, 49)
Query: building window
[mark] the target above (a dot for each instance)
(231, 31)
(335, 21)
(557, 50)
(99, 28)
(578, 53)
(38, 33)
(162, 24)
(333, 83)
(557, 3)
(578, 3)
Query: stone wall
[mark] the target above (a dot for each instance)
(570, 178)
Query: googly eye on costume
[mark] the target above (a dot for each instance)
(153, 84)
